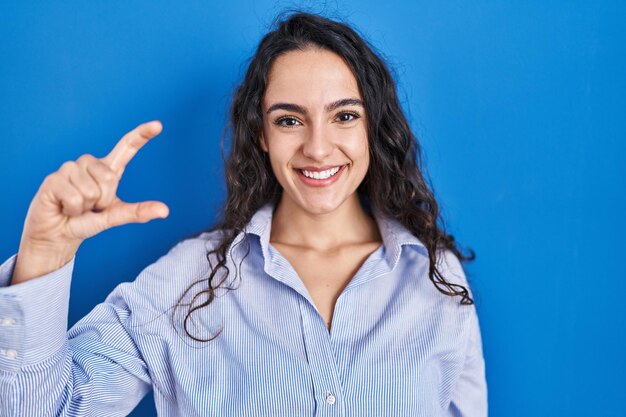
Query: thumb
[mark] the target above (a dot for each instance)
(120, 213)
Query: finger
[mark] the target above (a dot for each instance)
(106, 180)
(88, 187)
(130, 144)
(66, 195)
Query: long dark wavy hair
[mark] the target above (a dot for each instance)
(394, 185)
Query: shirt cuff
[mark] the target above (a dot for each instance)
(33, 316)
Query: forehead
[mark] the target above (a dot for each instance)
(313, 75)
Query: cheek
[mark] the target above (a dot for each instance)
(280, 158)
(357, 149)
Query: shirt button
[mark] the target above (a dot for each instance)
(7, 322)
(11, 354)
(330, 399)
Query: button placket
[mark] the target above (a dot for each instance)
(324, 372)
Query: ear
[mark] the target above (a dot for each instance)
(262, 142)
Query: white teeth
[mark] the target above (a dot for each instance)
(321, 175)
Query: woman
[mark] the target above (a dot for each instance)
(328, 287)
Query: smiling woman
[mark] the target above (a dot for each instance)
(328, 278)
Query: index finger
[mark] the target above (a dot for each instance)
(130, 144)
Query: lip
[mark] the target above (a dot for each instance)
(319, 169)
(312, 182)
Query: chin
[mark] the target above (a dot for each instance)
(319, 210)
(320, 207)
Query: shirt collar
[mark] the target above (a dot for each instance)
(393, 233)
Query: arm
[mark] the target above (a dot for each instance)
(94, 369)
(470, 394)
(469, 397)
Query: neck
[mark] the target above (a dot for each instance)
(347, 225)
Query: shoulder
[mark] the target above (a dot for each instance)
(452, 271)
(159, 286)
(462, 318)
(451, 268)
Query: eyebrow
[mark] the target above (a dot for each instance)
(329, 107)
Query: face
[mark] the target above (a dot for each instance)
(314, 130)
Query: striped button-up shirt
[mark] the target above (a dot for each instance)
(397, 346)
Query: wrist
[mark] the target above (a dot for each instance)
(37, 259)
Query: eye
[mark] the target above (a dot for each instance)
(345, 117)
(286, 121)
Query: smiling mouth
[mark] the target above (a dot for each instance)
(320, 175)
(315, 177)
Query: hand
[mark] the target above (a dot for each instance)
(79, 201)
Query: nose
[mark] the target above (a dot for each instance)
(318, 144)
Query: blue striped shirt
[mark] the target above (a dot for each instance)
(397, 346)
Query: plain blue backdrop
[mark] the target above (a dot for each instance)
(520, 107)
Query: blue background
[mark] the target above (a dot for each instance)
(520, 107)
